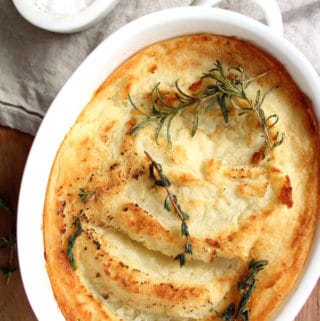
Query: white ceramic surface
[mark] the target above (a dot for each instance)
(65, 23)
(77, 92)
(270, 9)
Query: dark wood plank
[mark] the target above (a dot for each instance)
(14, 148)
(311, 310)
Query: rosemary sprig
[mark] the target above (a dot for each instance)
(245, 288)
(171, 204)
(222, 90)
(71, 242)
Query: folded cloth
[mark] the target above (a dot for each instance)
(34, 64)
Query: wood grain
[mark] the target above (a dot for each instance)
(14, 148)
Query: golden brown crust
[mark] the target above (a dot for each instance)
(241, 205)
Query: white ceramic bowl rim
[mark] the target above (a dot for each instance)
(76, 94)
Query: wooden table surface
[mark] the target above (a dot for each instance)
(14, 148)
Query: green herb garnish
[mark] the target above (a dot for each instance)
(71, 242)
(7, 270)
(171, 204)
(4, 242)
(3, 204)
(222, 90)
(245, 288)
(8, 242)
(83, 194)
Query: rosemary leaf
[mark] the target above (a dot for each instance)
(195, 120)
(161, 123)
(135, 107)
(223, 106)
(140, 126)
(210, 105)
(71, 242)
(168, 130)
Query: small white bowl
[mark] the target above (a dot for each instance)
(65, 23)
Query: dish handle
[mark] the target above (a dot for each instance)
(270, 8)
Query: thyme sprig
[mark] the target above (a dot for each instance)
(4, 242)
(11, 243)
(223, 89)
(8, 243)
(7, 271)
(171, 204)
(3, 204)
(72, 239)
(245, 288)
(85, 195)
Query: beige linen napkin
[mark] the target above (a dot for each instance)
(34, 64)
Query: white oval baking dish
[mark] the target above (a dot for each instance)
(79, 89)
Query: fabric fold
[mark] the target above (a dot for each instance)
(34, 63)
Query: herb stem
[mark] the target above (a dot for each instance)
(245, 288)
(170, 195)
(8, 242)
(71, 242)
(3, 204)
(171, 201)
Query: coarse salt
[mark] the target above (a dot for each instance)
(62, 7)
